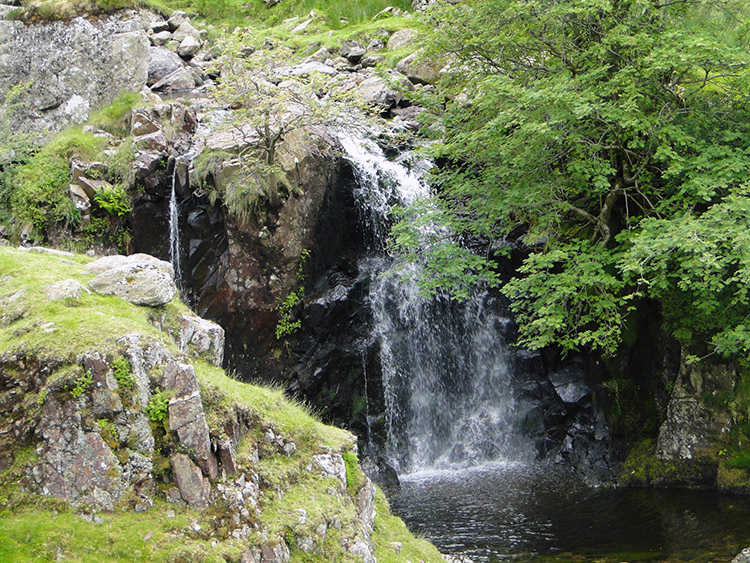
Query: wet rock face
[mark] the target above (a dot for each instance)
(237, 272)
(73, 67)
(693, 428)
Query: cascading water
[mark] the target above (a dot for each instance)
(445, 366)
(174, 229)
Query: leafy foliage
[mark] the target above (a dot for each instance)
(615, 133)
(82, 384)
(157, 408)
(123, 372)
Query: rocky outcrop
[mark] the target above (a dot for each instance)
(73, 68)
(695, 425)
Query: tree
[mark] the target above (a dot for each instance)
(586, 123)
(267, 105)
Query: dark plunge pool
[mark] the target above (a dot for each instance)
(511, 512)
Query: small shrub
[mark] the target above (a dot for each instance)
(40, 196)
(123, 372)
(115, 201)
(157, 408)
(82, 384)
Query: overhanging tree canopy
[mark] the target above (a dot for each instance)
(602, 126)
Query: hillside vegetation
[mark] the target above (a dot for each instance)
(43, 342)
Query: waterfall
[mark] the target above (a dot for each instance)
(446, 366)
(174, 230)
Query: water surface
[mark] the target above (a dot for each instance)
(513, 512)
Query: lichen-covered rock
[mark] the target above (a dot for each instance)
(418, 69)
(332, 465)
(402, 38)
(137, 279)
(65, 289)
(743, 557)
(186, 415)
(161, 63)
(73, 67)
(694, 427)
(201, 338)
(194, 488)
(75, 464)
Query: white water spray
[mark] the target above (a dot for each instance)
(445, 366)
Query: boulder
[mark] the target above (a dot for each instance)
(375, 90)
(352, 51)
(160, 38)
(186, 415)
(141, 283)
(379, 471)
(188, 47)
(201, 338)
(304, 69)
(90, 187)
(743, 557)
(159, 26)
(419, 70)
(65, 289)
(117, 261)
(180, 80)
(176, 20)
(161, 63)
(186, 30)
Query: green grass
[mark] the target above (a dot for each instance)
(29, 535)
(94, 322)
(293, 420)
(390, 529)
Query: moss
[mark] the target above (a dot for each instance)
(642, 468)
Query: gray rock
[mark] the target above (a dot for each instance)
(186, 415)
(363, 550)
(188, 47)
(156, 142)
(743, 557)
(419, 70)
(75, 465)
(65, 289)
(184, 31)
(141, 284)
(161, 63)
(159, 26)
(332, 465)
(375, 90)
(143, 123)
(692, 428)
(45, 250)
(158, 39)
(79, 198)
(194, 489)
(352, 51)
(377, 469)
(180, 80)
(177, 19)
(289, 449)
(202, 338)
(116, 261)
(402, 38)
(319, 56)
(365, 502)
(73, 67)
(305, 69)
